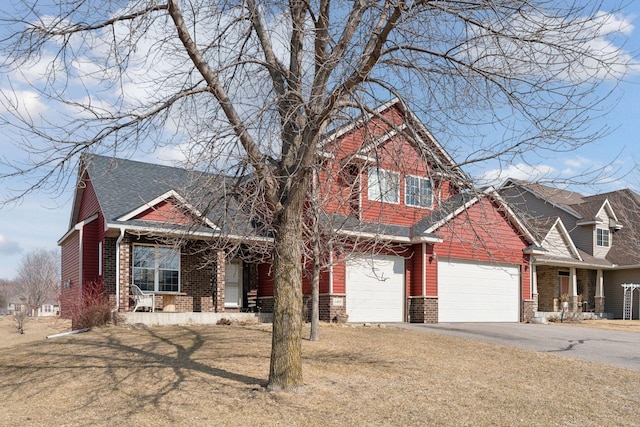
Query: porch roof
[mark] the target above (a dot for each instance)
(588, 261)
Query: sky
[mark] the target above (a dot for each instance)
(40, 219)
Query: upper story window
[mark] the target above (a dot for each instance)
(156, 268)
(602, 237)
(384, 185)
(417, 192)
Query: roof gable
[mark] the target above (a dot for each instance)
(558, 242)
(169, 207)
(460, 203)
(367, 134)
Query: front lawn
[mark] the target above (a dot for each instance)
(355, 376)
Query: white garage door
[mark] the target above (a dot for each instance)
(478, 292)
(375, 289)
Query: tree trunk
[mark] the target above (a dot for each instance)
(285, 372)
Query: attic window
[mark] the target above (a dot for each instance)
(384, 185)
(602, 237)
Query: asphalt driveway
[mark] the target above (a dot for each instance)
(614, 348)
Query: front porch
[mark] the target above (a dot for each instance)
(580, 289)
(546, 316)
(191, 318)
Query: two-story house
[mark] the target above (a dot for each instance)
(590, 245)
(406, 239)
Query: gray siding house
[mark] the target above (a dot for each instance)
(590, 246)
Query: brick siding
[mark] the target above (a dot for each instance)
(529, 308)
(423, 310)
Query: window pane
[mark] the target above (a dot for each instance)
(384, 185)
(144, 278)
(168, 258)
(168, 281)
(374, 184)
(425, 192)
(602, 238)
(144, 256)
(418, 191)
(390, 187)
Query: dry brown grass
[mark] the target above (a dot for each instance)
(615, 325)
(213, 375)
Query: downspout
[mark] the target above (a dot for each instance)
(120, 237)
(424, 270)
(330, 268)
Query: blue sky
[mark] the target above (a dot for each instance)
(41, 218)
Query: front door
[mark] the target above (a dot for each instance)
(564, 285)
(233, 284)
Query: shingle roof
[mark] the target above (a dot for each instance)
(445, 210)
(348, 223)
(625, 249)
(562, 198)
(122, 186)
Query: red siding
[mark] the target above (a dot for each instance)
(91, 237)
(339, 278)
(344, 183)
(89, 204)
(265, 280)
(483, 233)
(70, 274)
(414, 266)
(432, 272)
(165, 211)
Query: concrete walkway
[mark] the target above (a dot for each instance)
(615, 348)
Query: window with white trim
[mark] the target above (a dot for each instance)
(418, 192)
(99, 258)
(384, 185)
(156, 268)
(602, 237)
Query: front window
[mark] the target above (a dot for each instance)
(156, 268)
(417, 191)
(384, 185)
(602, 238)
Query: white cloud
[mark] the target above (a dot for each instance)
(9, 247)
(24, 103)
(576, 50)
(516, 171)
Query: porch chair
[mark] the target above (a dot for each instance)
(140, 298)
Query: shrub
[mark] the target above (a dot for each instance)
(94, 309)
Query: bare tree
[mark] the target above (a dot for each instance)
(253, 86)
(38, 278)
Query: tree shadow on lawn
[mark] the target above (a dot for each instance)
(143, 367)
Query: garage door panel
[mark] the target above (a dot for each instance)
(375, 289)
(478, 292)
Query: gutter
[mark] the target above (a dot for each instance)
(201, 234)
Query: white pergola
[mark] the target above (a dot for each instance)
(627, 306)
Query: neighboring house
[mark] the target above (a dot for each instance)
(47, 309)
(590, 245)
(412, 243)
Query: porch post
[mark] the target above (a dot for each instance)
(573, 290)
(534, 282)
(218, 290)
(599, 299)
(124, 254)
